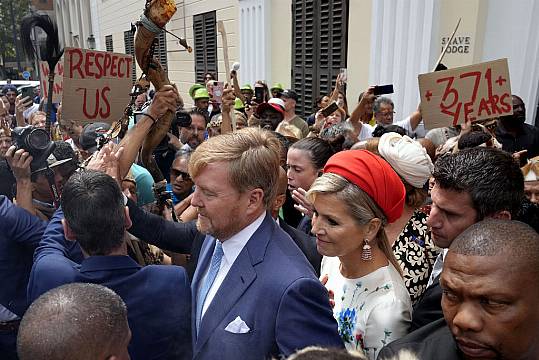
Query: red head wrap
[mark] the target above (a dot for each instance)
(373, 175)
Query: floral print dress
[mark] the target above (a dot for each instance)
(416, 253)
(371, 311)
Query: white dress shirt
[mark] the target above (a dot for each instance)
(438, 267)
(231, 249)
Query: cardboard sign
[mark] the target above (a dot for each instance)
(57, 88)
(96, 85)
(475, 92)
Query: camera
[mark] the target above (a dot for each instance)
(183, 119)
(36, 141)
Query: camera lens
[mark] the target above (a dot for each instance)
(38, 140)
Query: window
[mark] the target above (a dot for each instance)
(161, 50)
(205, 33)
(108, 43)
(129, 41)
(319, 48)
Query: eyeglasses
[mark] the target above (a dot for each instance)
(177, 173)
(387, 113)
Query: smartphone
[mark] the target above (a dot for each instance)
(330, 109)
(218, 88)
(27, 92)
(344, 74)
(383, 89)
(259, 94)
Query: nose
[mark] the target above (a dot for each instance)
(434, 220)
(468, 318)
(195, 199)
(534, 198)
(315, 226)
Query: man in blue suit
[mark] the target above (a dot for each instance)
(20, 233)
(158, 297)
(254, 293)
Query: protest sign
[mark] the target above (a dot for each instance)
(96, 85)
(474, 92)
(57, 88)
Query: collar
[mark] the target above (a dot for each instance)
(106, 263)
(235, 244)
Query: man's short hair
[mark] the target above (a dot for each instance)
(197, 111)
(491, 177)
(93, 207)
(73, 321)
(379, 101)
(493, 237)
(252, 155)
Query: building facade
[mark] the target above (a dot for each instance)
(304, 43)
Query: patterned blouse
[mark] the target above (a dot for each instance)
(371, 311)
(416, 253)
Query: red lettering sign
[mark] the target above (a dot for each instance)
(96, 85)
(453, 96)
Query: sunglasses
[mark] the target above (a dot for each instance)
(177, 173)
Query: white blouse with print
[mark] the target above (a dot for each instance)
(371, 311)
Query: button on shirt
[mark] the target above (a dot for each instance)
(231, 249)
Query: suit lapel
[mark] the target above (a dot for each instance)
(239, 278)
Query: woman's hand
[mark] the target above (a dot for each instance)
(303, 205)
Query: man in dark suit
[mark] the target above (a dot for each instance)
(20, 233)
(471, 185)
(487, 313)
(254, 293)
(158, 297)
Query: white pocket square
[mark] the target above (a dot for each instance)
(237, 326)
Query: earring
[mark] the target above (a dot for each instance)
(366, 255)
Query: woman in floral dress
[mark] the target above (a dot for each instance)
(353, 200)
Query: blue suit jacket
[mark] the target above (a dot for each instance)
(158, 298)
(270, 286)
(20, 233)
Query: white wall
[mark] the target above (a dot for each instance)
(512, 31)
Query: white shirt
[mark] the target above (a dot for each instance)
(366, 132)
(438, 266)
(6, 315)
(419, 131)
(231, 250)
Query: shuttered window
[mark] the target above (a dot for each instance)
(161, 50)
(205, 33)
(108, 43)
(319, 50)
(129, 41)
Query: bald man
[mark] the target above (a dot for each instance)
(306, 243)
(490, 284)
(75, 321)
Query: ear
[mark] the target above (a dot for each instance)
(68, 233)
(256, 198)
(372, 228)
(278, 202)
(502, 215)
(127, 222)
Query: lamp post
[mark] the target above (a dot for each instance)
(91, 42)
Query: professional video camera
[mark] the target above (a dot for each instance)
(36, 141)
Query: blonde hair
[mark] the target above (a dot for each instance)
(252, 155)
(35, 114)
(362, 208)
(290, 130)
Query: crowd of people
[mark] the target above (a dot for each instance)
(347, 234)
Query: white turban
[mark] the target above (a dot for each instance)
(407, 157)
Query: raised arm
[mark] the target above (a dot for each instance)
(165, 100)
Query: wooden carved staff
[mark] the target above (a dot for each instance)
(222, 31)
(156, 15)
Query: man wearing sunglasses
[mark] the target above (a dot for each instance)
(180, 183)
